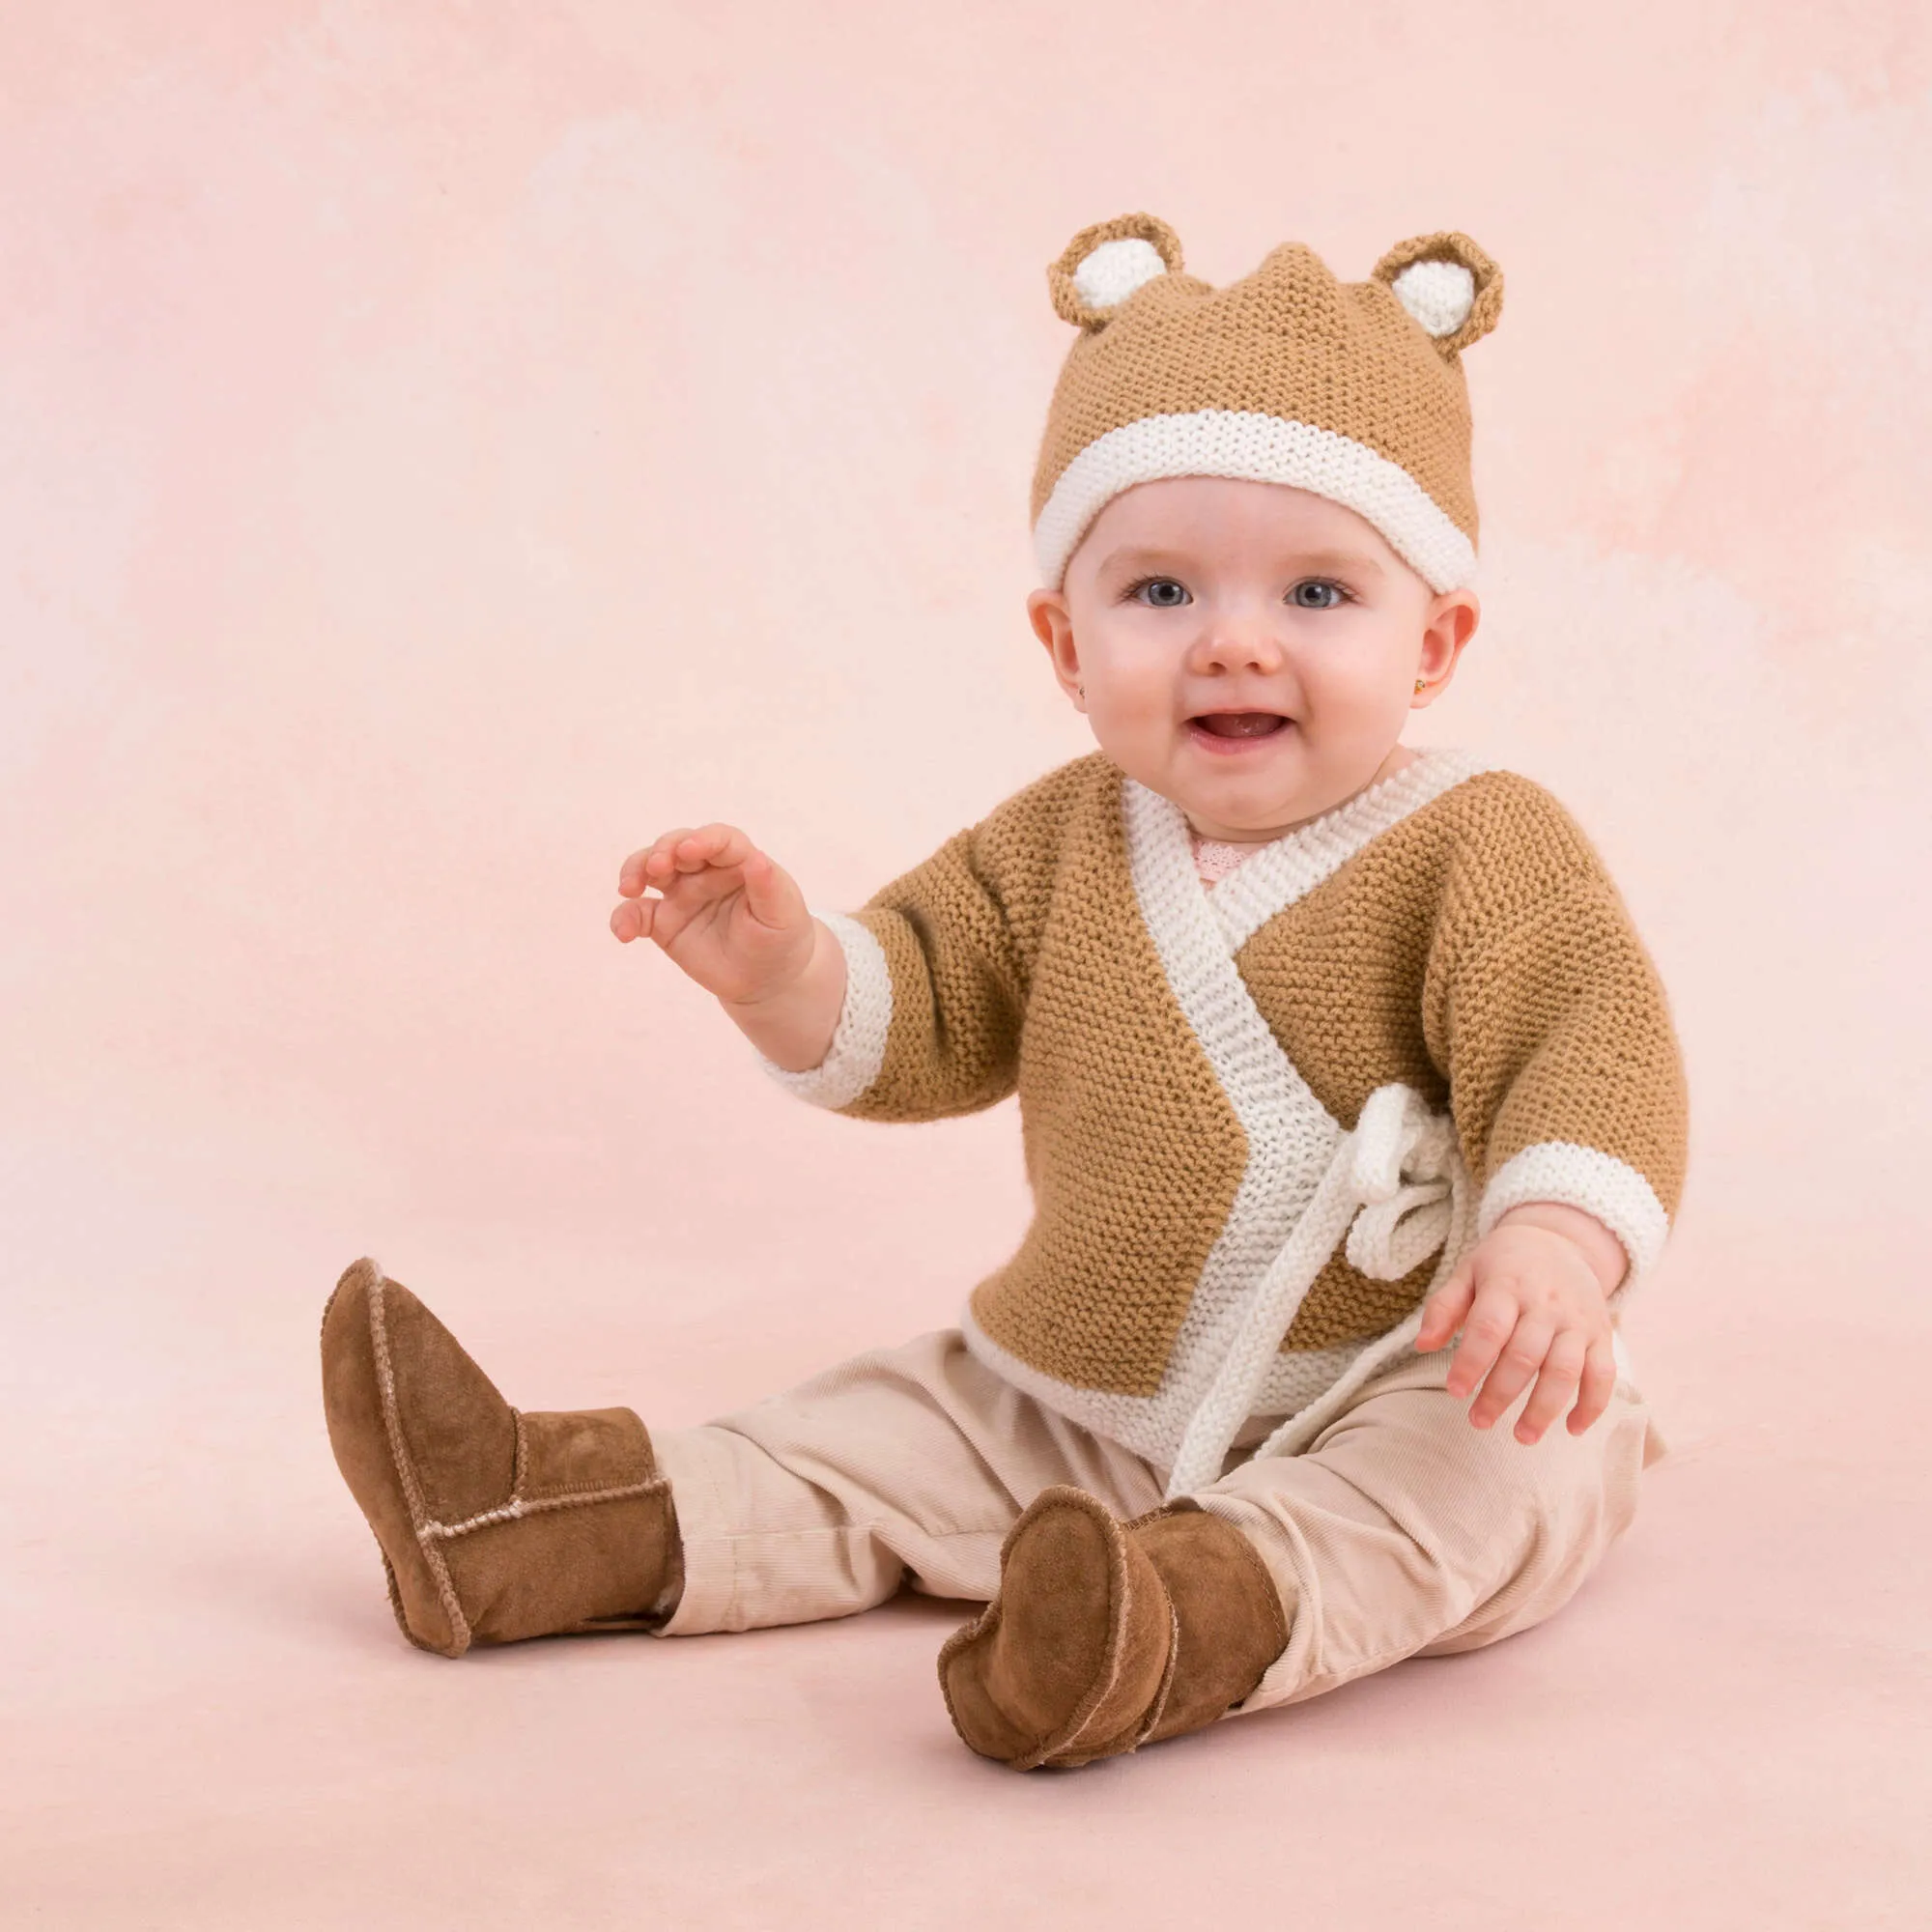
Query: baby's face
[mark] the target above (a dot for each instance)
(1285, 614)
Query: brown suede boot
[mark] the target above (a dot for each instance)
(494, 1524)
(1106, 1635)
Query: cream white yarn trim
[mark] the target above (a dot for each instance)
(1438, 294)
(1398, 1191)
(1585, 1177)
(858, 1049)
(1107, 275)
(1262, 449)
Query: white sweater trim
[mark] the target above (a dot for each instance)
(1146, 1424)
(858, 1049)
(1585, 1177)
(1262, 448)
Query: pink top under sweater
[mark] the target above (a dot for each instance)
(1214, 859)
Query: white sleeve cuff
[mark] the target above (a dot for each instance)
(858, 1049)
(1585, 1177)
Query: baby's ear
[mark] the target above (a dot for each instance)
(1103, 264)
(1448, 285)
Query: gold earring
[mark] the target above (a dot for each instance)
(1422, 683)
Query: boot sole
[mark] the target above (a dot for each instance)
(1137, 1615)
(399, 1498)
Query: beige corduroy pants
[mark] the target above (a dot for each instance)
(1401, 1530)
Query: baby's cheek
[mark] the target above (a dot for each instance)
(1353, 695)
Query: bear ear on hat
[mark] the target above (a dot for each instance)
(1103, 264)
(1448, 285)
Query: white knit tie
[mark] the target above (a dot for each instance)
(1397, 1188)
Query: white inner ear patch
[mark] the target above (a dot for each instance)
(1109, 273)
(1438, 294)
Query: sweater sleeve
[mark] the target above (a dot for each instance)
(1565, 1072)
(934, 993)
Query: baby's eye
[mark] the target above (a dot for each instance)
(1318, 585)
(1162, 593)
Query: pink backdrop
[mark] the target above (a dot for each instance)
(443, 446)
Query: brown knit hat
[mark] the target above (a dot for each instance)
(1351, 389)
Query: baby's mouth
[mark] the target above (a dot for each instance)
(1239, 723)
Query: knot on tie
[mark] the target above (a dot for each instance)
(1397, 1187)
(1401, 1171)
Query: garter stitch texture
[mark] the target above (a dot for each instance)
(1353, 390)
(1272, 1113)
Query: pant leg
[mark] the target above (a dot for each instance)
(904, 1465)
(1402, 1530)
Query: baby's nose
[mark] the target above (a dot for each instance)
(1236, 644)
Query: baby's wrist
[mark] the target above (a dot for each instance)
(793, 1025)
(1601, 1251)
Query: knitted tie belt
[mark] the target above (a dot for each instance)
(1399, 1189)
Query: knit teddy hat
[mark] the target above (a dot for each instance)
(1353, 390)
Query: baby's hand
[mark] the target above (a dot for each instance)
(734, 922)
(1532, 1301)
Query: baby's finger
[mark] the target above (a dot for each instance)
(1524, 1354)
(1555, 1388)
(631, 873)
(650, 867)
(1446, 1308)
(1600, 1382)
(1489, 1327)
(714, 845)
(632, 919)
(768, 894)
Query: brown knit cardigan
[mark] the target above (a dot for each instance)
(1261, 1122)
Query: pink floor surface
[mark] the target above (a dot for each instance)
(212, 1722)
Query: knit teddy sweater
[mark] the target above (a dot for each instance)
(1261, 1119)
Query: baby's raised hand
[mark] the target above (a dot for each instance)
(1527, 1299)
(728, 917)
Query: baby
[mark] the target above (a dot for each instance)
(1329, 1052)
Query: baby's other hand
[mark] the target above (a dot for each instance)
(733, 921)
(1526, 1299)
